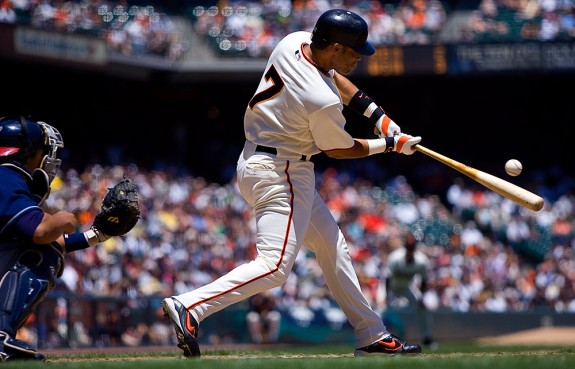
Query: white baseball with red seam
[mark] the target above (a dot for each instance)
(513, 167)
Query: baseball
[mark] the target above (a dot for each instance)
(513, 167)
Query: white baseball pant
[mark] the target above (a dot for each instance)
(289, 213)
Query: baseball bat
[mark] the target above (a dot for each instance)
(506, 189)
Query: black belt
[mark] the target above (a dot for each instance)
(274, 151)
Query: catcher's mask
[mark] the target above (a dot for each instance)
(21, 137)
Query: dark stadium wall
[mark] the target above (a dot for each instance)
(197, 125)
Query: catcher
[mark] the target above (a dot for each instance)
(33, 242)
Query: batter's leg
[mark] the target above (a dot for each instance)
(270, 269)
(281, 195)
(326, 240)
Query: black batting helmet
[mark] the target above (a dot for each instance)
(20, 135)
(344, 27)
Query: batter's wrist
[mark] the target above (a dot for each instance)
(377, 146)
(364, 105)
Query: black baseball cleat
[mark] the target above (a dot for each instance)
(388, 345)
(185, 325)
(17, 356)
(12, 349)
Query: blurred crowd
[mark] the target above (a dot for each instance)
(520, 20)
(132, 30)
(487, 253)
(252, 28)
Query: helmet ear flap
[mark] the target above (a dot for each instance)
(26, 144)
(34, 139)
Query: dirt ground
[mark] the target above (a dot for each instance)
(538, 336)
(548, 336)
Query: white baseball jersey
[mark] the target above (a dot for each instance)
(296, 110)
(311, 117)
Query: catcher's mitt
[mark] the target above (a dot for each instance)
(120, 209)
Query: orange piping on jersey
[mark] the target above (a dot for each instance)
(281, 256)
(312, 62)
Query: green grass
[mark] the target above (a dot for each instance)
(447, 356)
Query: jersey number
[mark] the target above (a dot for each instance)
(277, 85)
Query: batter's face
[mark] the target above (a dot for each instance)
(345, 58)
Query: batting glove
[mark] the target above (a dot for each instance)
(385, 127)
(404, 144)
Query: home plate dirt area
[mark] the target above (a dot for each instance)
(561, 336)
(546, 336)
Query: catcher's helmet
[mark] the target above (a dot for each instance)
(21, 137)
(343, 27)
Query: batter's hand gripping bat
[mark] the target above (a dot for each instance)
(506, 189)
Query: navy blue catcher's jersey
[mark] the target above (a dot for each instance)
(19, 213)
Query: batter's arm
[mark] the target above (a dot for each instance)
(360, 149)
(358, 101)
(345, 87)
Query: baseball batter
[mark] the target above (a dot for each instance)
(296, 113)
